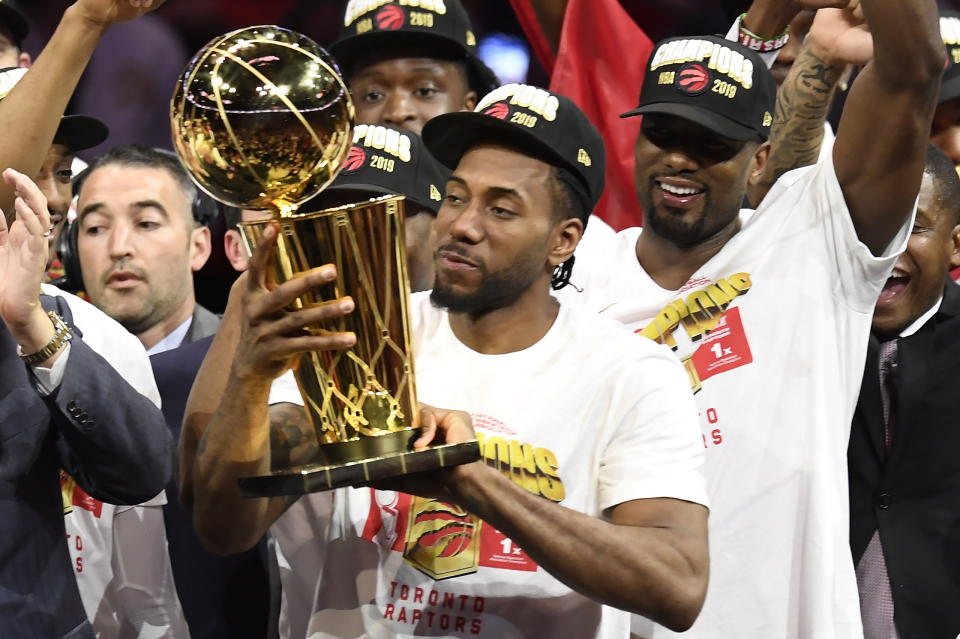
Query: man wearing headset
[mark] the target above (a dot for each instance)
(139, 238)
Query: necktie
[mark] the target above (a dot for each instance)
(876, 602)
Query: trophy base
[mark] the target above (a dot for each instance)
(316, 477)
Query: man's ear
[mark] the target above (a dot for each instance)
(759, 163)
(470, 101)
(24, 61)
(200, 247)
(955, 249)
(235, 251)
(566, 238)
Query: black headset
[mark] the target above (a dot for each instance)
(204, 209)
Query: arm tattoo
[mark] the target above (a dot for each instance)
(801, 110)
(293, 441)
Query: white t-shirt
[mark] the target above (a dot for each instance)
(773, 333)
(569, 418)
(101, 568)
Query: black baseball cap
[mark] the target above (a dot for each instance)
(76, 132)
(719, 84)
(15, 21)
(950, 32)
(388, 161)
(548, 125)
(437, 25)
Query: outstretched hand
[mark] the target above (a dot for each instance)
(271, 336)
(107, 12)
(840, 36)
(23, 254)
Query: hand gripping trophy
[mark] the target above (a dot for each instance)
(262, 120)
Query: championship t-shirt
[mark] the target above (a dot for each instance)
(772, 332)
(571, 419)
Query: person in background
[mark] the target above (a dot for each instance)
(406, 64)
(904, 482)
(140, 236)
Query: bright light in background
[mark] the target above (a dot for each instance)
(507, 56)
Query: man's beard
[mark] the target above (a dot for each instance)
(498, 289)
(679, 232)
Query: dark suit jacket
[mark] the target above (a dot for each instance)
(222, 597)
(96, 427)
(912, 494)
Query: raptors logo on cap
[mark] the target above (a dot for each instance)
(355, 159)
(499, 111)
(390, 18)
(693, 78)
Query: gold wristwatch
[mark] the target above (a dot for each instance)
(60, 337)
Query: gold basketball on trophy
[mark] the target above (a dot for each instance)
(262, 120)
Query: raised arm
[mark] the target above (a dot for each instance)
(881, 145)
(32, 110)
(804, 98)
(242, 436)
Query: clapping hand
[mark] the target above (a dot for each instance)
(23, 252)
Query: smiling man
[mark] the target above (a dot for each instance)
(904, 484)
(769, 310)
(407, 62)
(139, 241)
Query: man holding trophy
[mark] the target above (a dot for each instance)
(588, 499)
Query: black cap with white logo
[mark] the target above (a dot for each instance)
(76, 132)
(550, 126)
(437, 25)
(950, 32)
(716, 83)
(388, 161)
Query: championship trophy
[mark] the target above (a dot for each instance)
(262, 120)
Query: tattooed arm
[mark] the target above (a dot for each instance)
(804, 98)
(242, 436)
(803, 102)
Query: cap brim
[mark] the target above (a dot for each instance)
(79, 132)
(704, 117)
(450, 135)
